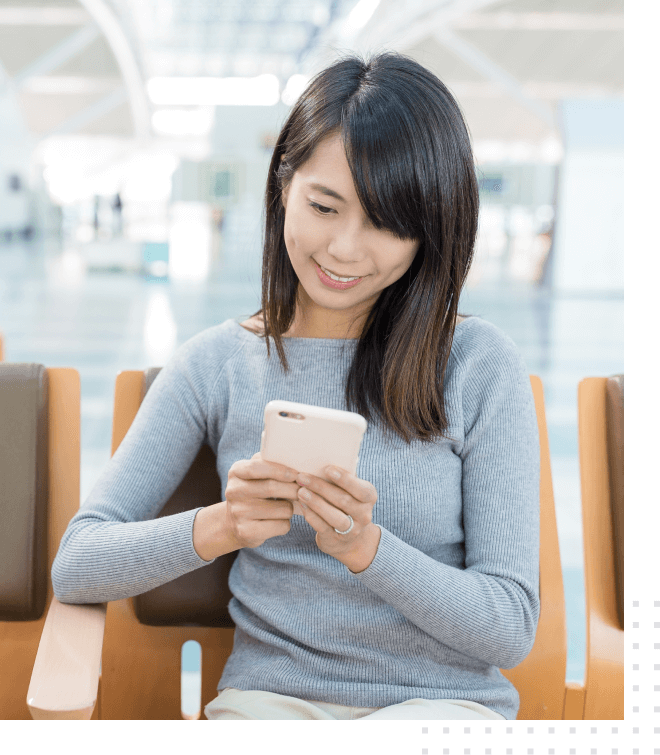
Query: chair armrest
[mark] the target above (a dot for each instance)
(65, 676)
(574, 702)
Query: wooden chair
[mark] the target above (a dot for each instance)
(40, 492)
(141, 662)
(600, 428)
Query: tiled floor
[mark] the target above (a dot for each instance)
(54, 313)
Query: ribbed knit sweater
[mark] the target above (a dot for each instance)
(452, 595)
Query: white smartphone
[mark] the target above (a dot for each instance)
(308, 438)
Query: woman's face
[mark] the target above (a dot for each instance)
(325, 225)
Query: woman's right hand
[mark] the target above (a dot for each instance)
(252, 516)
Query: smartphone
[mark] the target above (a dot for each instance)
(308, 438)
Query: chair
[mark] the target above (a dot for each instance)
(193, 607)
(141, 660)
(40, 492)
(600, 428)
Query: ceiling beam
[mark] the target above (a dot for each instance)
(105, 22)
(42, 16)
(409, 24)
(413, 21)
(71, 84)
(127, 62)
(548, 21)
(383, 28)
(91, 113)
(396, 28)
(491, 70)
(57, 55)
(405, 33)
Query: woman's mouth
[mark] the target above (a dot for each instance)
(336, 284)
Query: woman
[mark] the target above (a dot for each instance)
(400, 591)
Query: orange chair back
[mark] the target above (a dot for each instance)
(141, 664)
(604, 655)
(541, 678)
(19, 640)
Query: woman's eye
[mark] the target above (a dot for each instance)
(323, 210)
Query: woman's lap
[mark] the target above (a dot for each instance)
(255, 705)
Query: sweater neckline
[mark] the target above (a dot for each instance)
(251, 336)
(327, 342)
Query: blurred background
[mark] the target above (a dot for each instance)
(134, 143)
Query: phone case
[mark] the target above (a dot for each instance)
(308, 438)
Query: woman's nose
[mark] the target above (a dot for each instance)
(349, 245)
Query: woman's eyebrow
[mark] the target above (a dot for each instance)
(326, 190)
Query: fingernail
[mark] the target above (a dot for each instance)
(333, 473)
(304, 480)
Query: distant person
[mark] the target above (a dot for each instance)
(97, 204)
(404, 588)
(117, 224)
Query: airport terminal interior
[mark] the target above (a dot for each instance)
(134, 143)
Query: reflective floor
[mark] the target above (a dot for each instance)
(55, 311)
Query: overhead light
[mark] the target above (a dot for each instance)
(198, 122)
(209, 90)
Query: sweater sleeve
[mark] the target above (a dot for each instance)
(114, 547)
(489, 610)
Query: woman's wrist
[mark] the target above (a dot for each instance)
(210, 534)
(365, 552)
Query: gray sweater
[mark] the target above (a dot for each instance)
(452, 594)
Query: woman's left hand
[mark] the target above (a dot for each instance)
(328, 507)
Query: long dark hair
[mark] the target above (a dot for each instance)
(409, 152)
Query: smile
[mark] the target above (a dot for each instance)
(332, 281)
(336, 277)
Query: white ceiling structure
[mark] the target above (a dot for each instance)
(83, 66)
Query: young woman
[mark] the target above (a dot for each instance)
(401, 591)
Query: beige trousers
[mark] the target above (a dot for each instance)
(253, 705)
